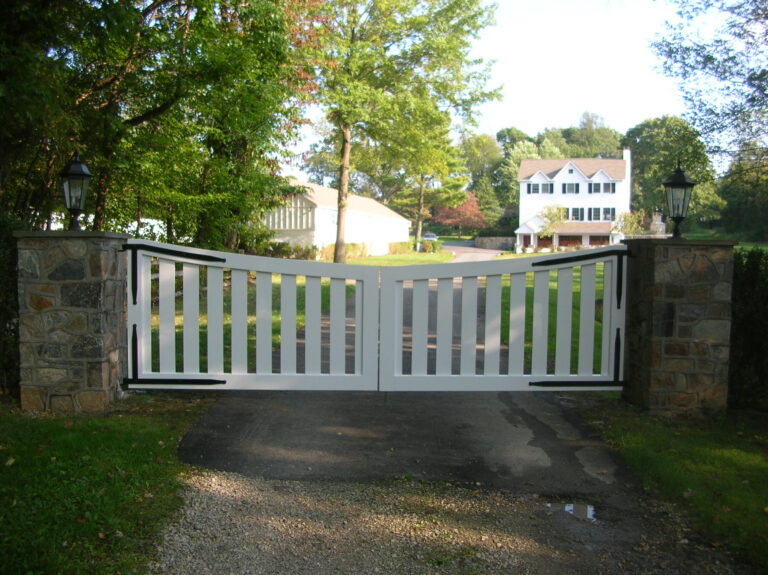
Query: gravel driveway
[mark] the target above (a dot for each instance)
(231, 524)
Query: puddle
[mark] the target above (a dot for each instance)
(578, 510)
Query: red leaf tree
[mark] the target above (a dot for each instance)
(466, 215)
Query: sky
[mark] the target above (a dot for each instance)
(556, 59)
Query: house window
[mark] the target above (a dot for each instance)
(577, 214)
(609, 214)
(609, 188)
(570, 188)
(594, 214)
(594, 188)
(547, 188)
(533, 188)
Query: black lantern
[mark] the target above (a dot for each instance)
(678, 187)
(75, 180)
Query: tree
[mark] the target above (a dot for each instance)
(723, 73)
(744, 188)
(487, 201)
(178, 107)
(384, 59)
(630, 223)
(657, 146)
(552, 217)
(465, 216)
(592, 138)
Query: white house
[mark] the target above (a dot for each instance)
(310, 220)
(592, 191)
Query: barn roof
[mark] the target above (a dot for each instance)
(322, 196)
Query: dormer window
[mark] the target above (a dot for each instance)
(570, 170)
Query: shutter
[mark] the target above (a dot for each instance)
(613, 188)
(563, 188)
(529, 187)
(577, 188)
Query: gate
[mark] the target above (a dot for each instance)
(231, 321)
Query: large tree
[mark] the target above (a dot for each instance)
(382, 59)
(178, 106)
(723, 69)
(657, 146)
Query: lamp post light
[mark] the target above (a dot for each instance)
(678, 188)
(74, 181)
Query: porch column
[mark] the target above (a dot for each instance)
(678, 325)
(72, 320)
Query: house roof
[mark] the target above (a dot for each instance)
(321, 196)
(616, 169)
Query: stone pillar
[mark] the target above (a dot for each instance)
(678, 325)
(72, 320)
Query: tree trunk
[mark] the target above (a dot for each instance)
(420, 214)
(340, 252)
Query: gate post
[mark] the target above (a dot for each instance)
(678, 325)
(72, 319)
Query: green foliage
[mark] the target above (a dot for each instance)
(388, 68)
(630, 223)
(714, 469)
(744, 188)
(286, 251)
(722, 68)
(89, 494)
(552, 217)
(657, 146)
(748, 378)
(9, 308)
(400, 248)
(178, 110)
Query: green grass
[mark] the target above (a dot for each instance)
(412, 259)
(90, 494)
(716, 469)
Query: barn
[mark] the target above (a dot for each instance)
(310, 219)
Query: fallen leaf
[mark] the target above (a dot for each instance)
(102, 535)
(10, 461)
(687, 494)
(148, 496)
(80, 519)
(69, 424)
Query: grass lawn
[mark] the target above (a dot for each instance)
(85, 494)
(715, 469)
(412, 259)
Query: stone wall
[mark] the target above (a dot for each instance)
(678, 325)
(72, 317)
(495, 243)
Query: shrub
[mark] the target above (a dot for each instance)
(398, 248)
(431, 247)
(748, 377)
(353, 251)
(286, 251)
(9, 308)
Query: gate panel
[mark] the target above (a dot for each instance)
(265, 323)
(556, 307)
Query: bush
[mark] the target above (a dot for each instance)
(398, 248)
(497, 233)
(353, 251)
(286, 251)
(9, 309)
(748, 377)
(431, 247)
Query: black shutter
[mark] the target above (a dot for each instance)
(563, 188)
(577, 188)
(529, 187)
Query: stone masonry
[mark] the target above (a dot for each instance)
(72, 317)
(678, 325)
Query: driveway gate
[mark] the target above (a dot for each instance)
(231, 321)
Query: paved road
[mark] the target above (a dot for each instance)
(524, 442)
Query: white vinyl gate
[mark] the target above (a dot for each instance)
(231, 321)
